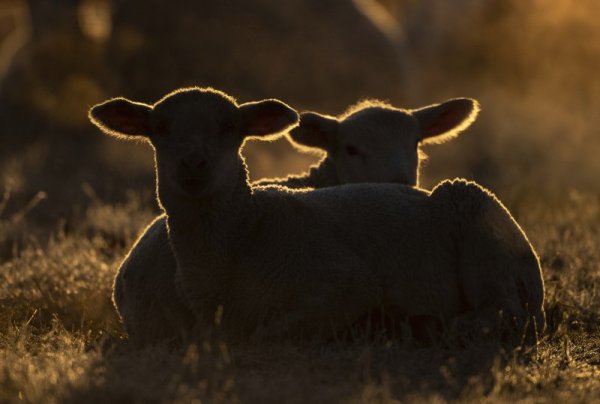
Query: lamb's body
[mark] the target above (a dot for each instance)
(309, 261)
(310, 256)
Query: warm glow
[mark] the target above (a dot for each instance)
(95, 19)
(15, 32)
(394, 194)
(381, 18)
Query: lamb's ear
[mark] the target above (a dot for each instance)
(315, 130)
(122, 118)
(441, 122)
(267, 117)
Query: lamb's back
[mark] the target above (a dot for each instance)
(387, 229)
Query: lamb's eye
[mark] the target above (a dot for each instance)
(351, 150)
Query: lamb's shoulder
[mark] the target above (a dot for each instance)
(460, 187)
(320, 175)
(462, 202)
(324, 174)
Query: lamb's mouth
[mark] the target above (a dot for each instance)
(190, 183)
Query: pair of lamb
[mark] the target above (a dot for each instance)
(277, 261)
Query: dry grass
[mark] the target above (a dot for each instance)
(534, 68)
(60, 339)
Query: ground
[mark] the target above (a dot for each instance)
(61, 340)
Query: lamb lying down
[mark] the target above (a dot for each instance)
(371, 142)
(311, 262)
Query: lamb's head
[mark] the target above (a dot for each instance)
(375, 142)
(196, 134)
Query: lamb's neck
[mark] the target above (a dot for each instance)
(205, 235)
(324, 175)
(321, 175)
(206, 229)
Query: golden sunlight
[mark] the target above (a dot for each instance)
(15, 31)
(95, 19)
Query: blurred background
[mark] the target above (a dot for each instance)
(534, 66)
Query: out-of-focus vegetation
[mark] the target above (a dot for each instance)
(532, 65)
(72, 202)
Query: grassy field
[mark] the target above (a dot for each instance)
(72, 202)
(61, 340)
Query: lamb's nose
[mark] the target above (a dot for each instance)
(193, 162)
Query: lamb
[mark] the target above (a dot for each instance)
(375, 142)
(365, 125)
(308, 262)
